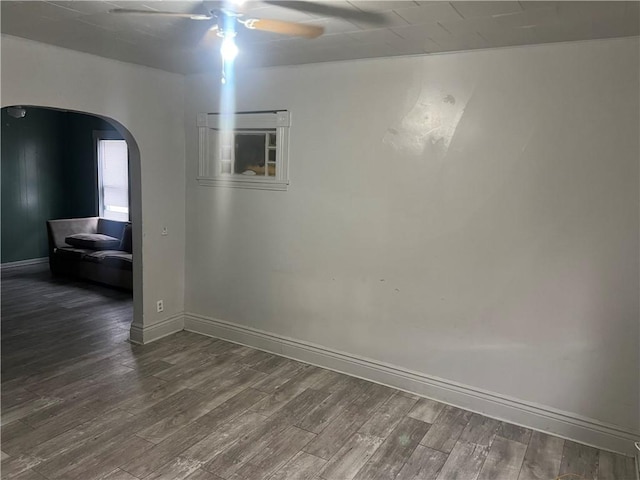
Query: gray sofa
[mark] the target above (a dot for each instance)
(92, 248)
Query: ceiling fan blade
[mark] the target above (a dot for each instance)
(285, 28)
(325, 10)
(192, 16)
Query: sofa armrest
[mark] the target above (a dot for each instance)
(113, 228)
(58, 230)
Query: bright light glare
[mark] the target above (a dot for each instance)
(229, 49)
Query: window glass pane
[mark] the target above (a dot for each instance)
(272, 139)
(271, 163)
(225, 153)
(114, 164)
(250, 151)
(115, 213)
(114, 179)
(116, 196)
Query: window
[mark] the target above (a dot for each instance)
(113, 176)
(253, 154)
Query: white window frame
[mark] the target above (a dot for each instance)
(107, 135)
(210, 152)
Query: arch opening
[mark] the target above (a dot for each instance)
(54, 174)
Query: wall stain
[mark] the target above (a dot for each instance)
(429, 125)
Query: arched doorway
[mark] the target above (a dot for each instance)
(57, 177)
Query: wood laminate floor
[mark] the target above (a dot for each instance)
(80, 402)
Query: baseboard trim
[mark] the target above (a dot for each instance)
(24, 263)
(539, 417)
(143, 334)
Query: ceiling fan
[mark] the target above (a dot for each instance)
(226, 19)
(228, 15)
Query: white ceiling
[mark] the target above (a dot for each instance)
(410, 27)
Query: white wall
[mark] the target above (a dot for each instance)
(473, 216)
(149, 103)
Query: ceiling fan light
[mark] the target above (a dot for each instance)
(229, 49)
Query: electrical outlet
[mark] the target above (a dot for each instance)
(164, 232)
(160, 305)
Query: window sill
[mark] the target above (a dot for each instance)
(254, 184)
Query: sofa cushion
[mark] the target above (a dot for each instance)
(72, 253)
(120, 260)
(111, 258)
(93, 241)
(126, 244)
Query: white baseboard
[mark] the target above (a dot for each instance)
(143, 334)
(24, 263)
(539, 417)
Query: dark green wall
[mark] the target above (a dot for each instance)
(48, 171)
(32, 181)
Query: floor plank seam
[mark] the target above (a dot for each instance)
(82, 399)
